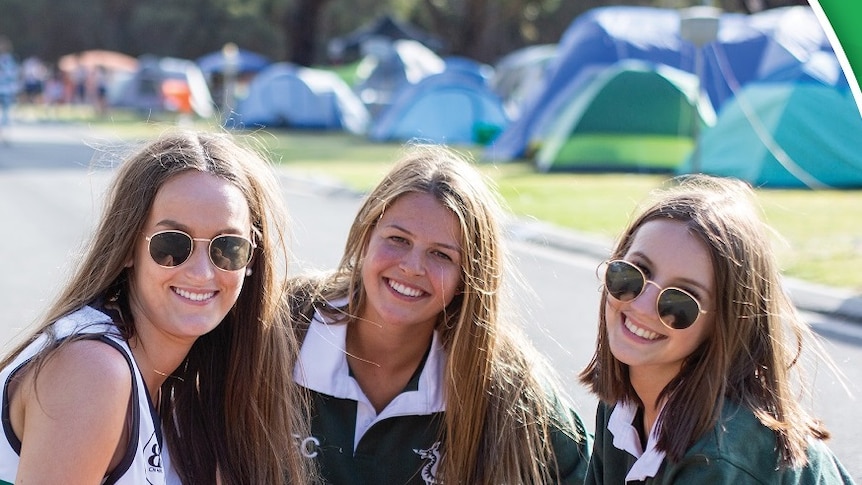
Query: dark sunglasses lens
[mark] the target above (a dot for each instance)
(623, 281)
(170, 248)
(230, 253)
(677, 309)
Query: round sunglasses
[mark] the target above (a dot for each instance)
(677, 309)
(227, 252)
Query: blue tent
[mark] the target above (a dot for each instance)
(749, 47)
(452, 107)
(753, 47)
(246, 62)
(286, 95)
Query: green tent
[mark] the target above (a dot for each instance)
(788, 134)
(633, 116)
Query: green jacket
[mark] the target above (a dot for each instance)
(354, 445)
(738, 451)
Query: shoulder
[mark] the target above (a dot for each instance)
(741, 449)
(88, 364)
(80, 384)
(572, 445)
(737, 438)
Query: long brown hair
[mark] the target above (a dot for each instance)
(233, 408)
(752, 354)
(501, 407)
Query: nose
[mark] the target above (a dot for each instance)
(199, 265)
(646, 301)
(413, 262)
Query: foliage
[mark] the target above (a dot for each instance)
(297, 30)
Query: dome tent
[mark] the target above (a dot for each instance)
(286, 95)
(633, 116)
(453, 107)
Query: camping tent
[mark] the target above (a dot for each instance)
(453, 107)
(384, 28)
(167, 84)
(292, 96)
(748, 48)
(246, 62)
(786, 134)
(518, 76)
(388, 67)
(631, 116)
(595, 40)
(112, 68)
(753, 47)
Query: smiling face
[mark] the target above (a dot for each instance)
(411, 269)
(669, 255)
(189, 300)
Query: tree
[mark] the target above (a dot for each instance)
(301, 28)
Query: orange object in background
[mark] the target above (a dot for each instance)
(178, 95)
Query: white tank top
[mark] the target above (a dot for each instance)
(142, 462)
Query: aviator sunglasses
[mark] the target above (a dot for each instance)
(677, 308)
(227, 252)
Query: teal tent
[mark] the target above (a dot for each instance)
(632, 116)
(785, 134)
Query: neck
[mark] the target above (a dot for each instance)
(648, 388)
(156, 365)
(382, 362)
(384, 348)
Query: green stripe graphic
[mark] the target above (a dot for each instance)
(840, 19)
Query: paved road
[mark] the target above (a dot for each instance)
(50, 195)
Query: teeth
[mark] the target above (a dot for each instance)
(194, 296)
(641, 332)
(404, 290)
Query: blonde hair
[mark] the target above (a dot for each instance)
(233, 407)
(501, 406)
(752, 355)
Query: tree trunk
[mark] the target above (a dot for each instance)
(300, 29)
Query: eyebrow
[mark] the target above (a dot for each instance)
(172, 224)
(688, 281)
(439, 244)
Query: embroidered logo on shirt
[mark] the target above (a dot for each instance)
(308, 446)
(429, 469)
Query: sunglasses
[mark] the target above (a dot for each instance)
(677, 308)
(227, 252)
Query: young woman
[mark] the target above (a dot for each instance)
(697, 363)
(169, 323)
(416, 371)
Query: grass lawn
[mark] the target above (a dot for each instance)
(819, 232)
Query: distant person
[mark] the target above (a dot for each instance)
(9, 84)
(415, 364)
(697, 364)
(55, 92)
(80, 75)
(100, 82)
(34, 74)
(165, 354)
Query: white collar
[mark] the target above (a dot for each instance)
(626, 438)
(322, 367)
